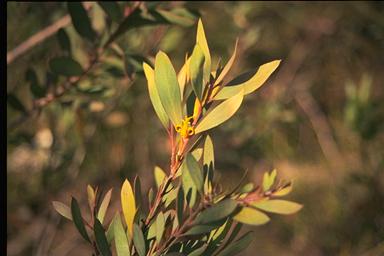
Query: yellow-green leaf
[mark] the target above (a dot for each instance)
(160, 225)
(197, 153)
(208, 164)
(104, 206)
(168, 88)
(269, 179)
(62, 209)
(121, 240)
(154, 95)
(249, 85)
(128, 205)
(227, 67)
(251, 217)
(91, 197)
(183, 76)
(220, 113)
(278, 206)
(284, 190)
(159, 176)
(202, 41)
(196, 69)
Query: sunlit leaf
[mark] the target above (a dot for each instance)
(104, 206)
(249, 81)
(284, 190)
(268, 180)
(216, 212)
(251, 216)
(227, 67)
(208, 164)
(183, 76)
(220, 113)
(101, 240)
(121, 240)
(81, 20)
(168, 88)
(197, 153)
(278, 206)
(154, 95)
(196, 69)
(63, 209)
(65, 66)
(138, 240)
(91, 197)
(202, 41)
(128, 205)
(159, 176)
(160, 225)
(194, 171)
(78, 219)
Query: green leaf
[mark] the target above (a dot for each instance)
(112, 9)
(128, 205)
(198, 251)
(278, 206)
(247, 188)
(168, 88)
(160, 225)
(81, 20)
(179, 16)
(208, 163)
(195, 171)
(251, 216)
(269, 179)
(101, 240)
(154, 95)
(65, 66)
(78, 219)
(138, 194)
(121, 240)
(227, 67)
(36, 90)
(202, 41)
(15, 103)
(203, 229)
(138, 240)
(249, 81)
(197, 153)
(196, 69)
(159, 176)
(180, 205)
(104, 206)
(217, 212)
(64, 41)
(219, 114)
(237, 246)
(62, 209)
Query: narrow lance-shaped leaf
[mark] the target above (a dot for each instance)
(63, 209)
(195, 171)
(217, 212)
(284, 190)
(278, 206)
(154, 95)
(91, 198)
(168, 88)
(183, 76)
(159, 176)
(237, 246)
(78, 219)
(121, 240)
(81, 20)
(220, 113)
(208, 163)
(268, 180)
(202, 41)
(251, 216)
(128, 205)
(179, 16)
(112, 9)
(104, 206)
(101, 240)
(196, 69)
(160, 225)
(138, 240)
(228, 66)
(249, 81)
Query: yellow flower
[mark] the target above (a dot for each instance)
(185, 128)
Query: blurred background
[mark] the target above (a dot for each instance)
(318, 120)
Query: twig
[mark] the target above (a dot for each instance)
(41, 36)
